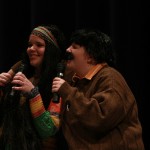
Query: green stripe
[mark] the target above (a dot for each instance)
(45, 125)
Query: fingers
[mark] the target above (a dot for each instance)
(21, 83)
(5, 78)
(57, 83)
(18, 82)
(19, 76)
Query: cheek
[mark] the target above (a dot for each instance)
(41, 51)
(27, 50)
(40, 59)
(78, 60)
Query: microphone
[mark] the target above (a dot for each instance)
(60, 74)
(20, 69)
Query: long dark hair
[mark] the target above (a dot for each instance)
(53, 55)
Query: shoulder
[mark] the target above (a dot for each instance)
(109, 75)
(110, 72)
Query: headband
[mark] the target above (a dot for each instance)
(45, 34)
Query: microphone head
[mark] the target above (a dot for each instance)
(22, 67)
(60, 67)
(60, 71)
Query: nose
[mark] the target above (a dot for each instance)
(31, 48)
(68, 49)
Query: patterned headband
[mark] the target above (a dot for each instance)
(45, 34)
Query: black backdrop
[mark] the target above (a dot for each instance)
(125, 21)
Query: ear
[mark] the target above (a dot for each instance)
(90, 60)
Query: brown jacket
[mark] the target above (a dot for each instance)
(101, 113)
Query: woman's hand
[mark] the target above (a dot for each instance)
(5, 78)
(23, 84)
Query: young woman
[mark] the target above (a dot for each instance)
(29, 118)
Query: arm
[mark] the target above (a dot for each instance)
(46, 122)
(101, 106)
(6, 77)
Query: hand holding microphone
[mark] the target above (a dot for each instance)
(5, 78)
(21, 69)
(18, 80)
(57, 82)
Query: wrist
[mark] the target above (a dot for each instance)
(34, 92)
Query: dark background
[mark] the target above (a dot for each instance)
(125, 21)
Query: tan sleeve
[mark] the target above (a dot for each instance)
(14, 68)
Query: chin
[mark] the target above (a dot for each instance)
(68, 64)
(33, 64)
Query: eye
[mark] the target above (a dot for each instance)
(39, 44)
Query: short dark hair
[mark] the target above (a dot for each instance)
(97, 44)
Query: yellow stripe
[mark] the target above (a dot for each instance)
(36, 104)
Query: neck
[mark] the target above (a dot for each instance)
(37, 73)
(83, 72)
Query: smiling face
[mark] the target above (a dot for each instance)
(36, 50)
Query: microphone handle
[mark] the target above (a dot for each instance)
(56, 98)
(21, 69)
(60, 74)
